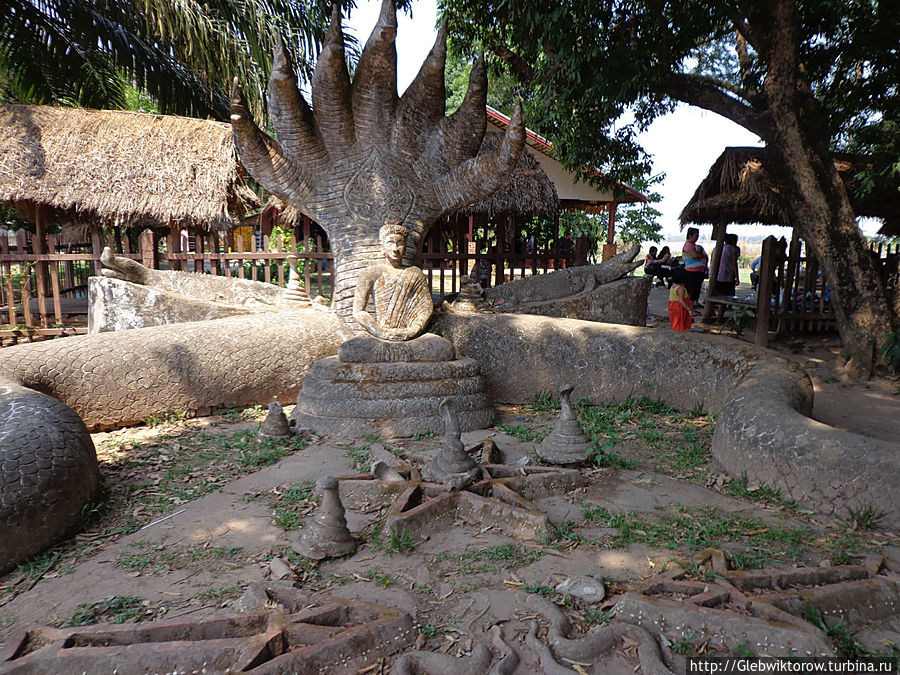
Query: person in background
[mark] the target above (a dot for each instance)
(650, 259)
(664, 256)
(754, 273)
(695, 260)
(727, 277)
(679, 302)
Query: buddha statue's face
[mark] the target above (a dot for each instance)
(393, 246)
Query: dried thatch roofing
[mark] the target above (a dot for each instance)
(528, 191)
(738, 189)
(121, 168)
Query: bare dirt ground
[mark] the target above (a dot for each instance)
(194, 510)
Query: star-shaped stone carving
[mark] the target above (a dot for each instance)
(501, 497)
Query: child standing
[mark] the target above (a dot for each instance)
(679, 302)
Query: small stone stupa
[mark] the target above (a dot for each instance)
(567, 443)
(275, 425)
(294, 292)
(452, 466)
(326, 535)
(391, 379)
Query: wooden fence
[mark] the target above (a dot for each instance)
(793, 294)
(43, 282)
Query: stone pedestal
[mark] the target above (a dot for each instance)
(393, 389)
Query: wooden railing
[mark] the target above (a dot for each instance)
(43, 283)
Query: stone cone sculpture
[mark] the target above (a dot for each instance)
(567, 443)
(452, 466)
(294, 293)
(471, 295)
(325, 535)
(275, 424)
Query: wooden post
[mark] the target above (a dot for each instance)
(173, 246)
(54, 281)
(97, 248)
(790, 281)
(147, 246)
(498, 252)
(609, 248)
(766, 286)
(7, 273)
(40, 266)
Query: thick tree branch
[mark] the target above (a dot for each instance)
(702, 93)
(516, 62)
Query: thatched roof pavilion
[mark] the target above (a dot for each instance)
(121, 168)
(738, 189)
(528, 191)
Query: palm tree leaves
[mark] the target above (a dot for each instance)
(184, 53)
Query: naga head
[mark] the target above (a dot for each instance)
(362, 155)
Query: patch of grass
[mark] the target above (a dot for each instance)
(563, 535)
(537, 589)
(151, 558)
(426, 434)
(740, 651)
(398, 541)
(260, 452)
(371, 438)
(361, 457)
(686, 644)
(379, 577)
(866, 518)
(294, 502)
(430, 630)
(117, 609)
(693, 452)
(596, 616)
(704, 528)
(839, 633)
(491, 558)
(603, 455)
(749, 560)
(250, 414)
(167, 418)
(544, 404)
(522, 432)
(401, 541)
(221, 594)
(739, 487)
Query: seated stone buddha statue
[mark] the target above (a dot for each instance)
(392, 302)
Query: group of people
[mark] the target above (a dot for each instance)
(687, 279)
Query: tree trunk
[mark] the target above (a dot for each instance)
(816, 199)
(822, 215)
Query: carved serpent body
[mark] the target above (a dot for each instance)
(48, 468)
(48, 471)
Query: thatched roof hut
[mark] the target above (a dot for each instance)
(528, 191)
(738, 189)
(121, 168)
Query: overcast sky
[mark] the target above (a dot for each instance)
(683, 144)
